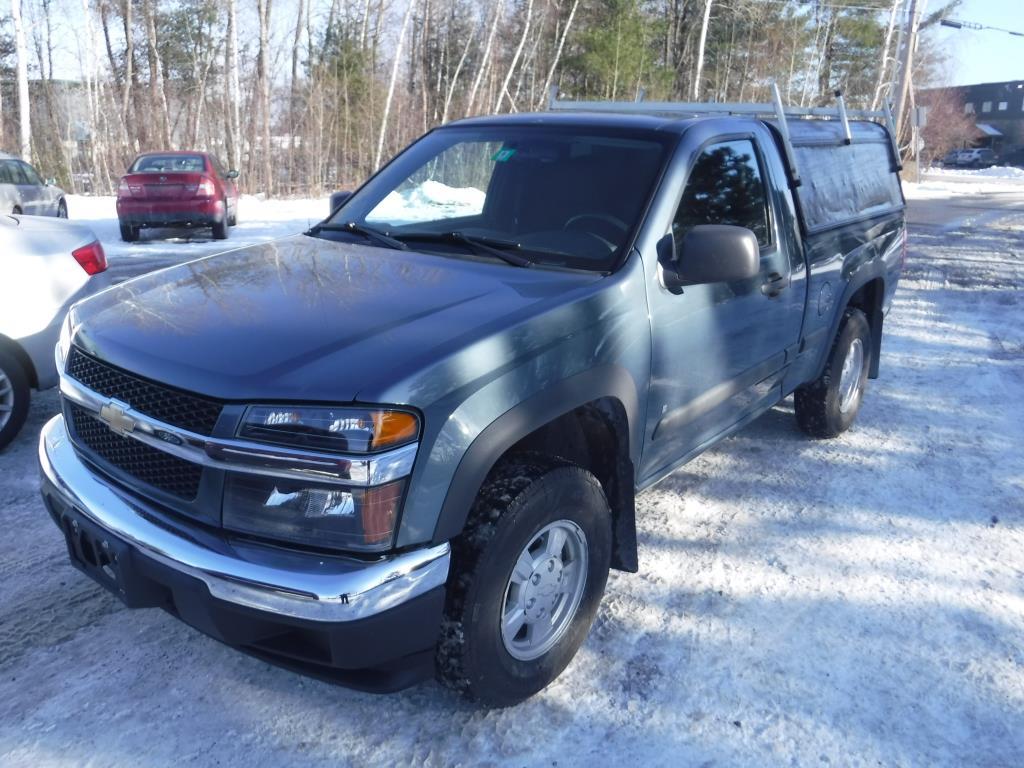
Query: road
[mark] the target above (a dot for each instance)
(850, 602)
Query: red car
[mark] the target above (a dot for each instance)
(177, 189)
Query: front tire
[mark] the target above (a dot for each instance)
(62, 210)
(14, 397)
(828, 406)
(528, 574)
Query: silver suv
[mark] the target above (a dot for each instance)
(976, 158)
(22, 190)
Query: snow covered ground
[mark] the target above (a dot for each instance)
(850, 602)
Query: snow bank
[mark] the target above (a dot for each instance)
(947, 182)
(428, 201)
(995, 172)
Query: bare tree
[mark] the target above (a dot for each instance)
(24, 112)
(558, 55)
(263, 88)
(700, 49)
(234, 121)
(503, 91)
(391, 84)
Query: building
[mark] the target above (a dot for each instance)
(997, 110)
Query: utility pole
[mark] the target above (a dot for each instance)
(906, 64)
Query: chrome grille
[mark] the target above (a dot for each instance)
(156, 468)
(172, 406)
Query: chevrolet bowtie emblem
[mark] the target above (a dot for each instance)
(114, 416)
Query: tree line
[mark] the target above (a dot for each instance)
(308, 96)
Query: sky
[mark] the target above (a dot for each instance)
(984, 56)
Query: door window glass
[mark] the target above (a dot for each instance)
(725, 187)
(31, 177)
(14, 172)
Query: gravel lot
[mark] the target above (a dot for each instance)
(850, 602)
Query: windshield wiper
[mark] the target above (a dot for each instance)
(359, 229)
(482, 246)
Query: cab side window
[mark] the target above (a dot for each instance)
(725, 186)
(6, 176)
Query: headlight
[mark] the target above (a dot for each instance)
(64, 342)
(331, 516)
(336, 515)
(345, 430)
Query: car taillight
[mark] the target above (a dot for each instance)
(206, 189)
(123, 190)
(91, 258)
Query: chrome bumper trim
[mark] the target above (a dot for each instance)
(283, 582)
(241, 455)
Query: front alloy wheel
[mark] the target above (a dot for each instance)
(544, 590)
(527, 576)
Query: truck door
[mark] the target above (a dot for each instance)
(720, 349)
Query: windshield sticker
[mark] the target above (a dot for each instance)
(503, 155)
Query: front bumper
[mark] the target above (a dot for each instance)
(371, 625)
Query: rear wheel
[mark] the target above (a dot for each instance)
(528, 573)
(828, 406)
(16, 211)
(14, 397)
(220, 228)
(129, 233)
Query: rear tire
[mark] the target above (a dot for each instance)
(129, 233)
(220, 228)
(828, 406)
(527, 577)
(14, 397)
(16, 211)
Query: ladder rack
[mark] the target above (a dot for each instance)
(775, 110)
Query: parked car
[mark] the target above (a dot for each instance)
(177, 189)
(47, 266)
(976, 158)
(408, 441)
(22, 190)
(951, 159)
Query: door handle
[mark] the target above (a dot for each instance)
(774, 285)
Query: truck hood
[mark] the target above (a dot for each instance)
(307, 319)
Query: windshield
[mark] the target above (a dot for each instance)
(169, 164)
(546, 195)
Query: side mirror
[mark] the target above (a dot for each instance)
(231, 175)
(713, 253)
(338, 199)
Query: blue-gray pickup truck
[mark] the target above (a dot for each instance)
(407, 443)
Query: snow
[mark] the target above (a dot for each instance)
(855, 602)
(427, 201)
(942, 183)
